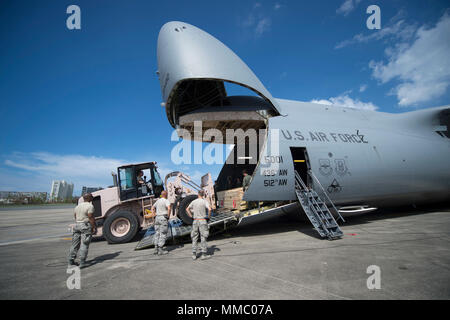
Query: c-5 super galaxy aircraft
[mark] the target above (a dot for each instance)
(359, 158)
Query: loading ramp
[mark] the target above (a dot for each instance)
(313, 205)
(219, 222)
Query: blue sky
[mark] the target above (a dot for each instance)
(75, 104)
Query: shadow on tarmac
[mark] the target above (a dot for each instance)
(395, 212)
(301, 224)
(105, 257)
(297, 221)
(172, 247)
(212, 249)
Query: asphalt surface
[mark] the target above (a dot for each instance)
(278, 259)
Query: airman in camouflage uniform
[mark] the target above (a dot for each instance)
(83, 231)
(162, 207)
(200, 224)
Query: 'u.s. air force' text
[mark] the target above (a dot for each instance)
(323, 137)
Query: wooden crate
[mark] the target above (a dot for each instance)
(230, 199)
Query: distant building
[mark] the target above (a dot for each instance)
(9, 197)
(61, 190)
(85, 190)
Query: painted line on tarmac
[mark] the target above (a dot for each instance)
(7, 243)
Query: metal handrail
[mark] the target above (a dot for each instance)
(299, 179)
(325, 193)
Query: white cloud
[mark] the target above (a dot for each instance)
(60, 166)
(262, 26)
(23, 181)
(35, 171)
(259, 21)
(249, 21)
(347, 6)
(397, 31)
(40, 168)
(344, 100)
(362, 87)
(423, 67)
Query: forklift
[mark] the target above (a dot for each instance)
(123, 209)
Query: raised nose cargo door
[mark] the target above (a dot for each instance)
(192, 69)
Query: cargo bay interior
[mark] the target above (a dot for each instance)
(207, 100)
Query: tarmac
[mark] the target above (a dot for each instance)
(279, 259)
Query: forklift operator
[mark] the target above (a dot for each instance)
(143, 186)
(139, 178)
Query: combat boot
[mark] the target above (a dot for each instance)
(72, 264)
(194, 256)
(83, 264)
(156, 251)
(205, 256)
(162, 251)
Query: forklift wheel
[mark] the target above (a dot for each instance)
(182, 214)
(120, 227)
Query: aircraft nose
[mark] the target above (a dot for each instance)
(174, 26)
(187, 52)
(192, 66)
(171, 34)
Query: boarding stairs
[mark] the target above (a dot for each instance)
(316, 209)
